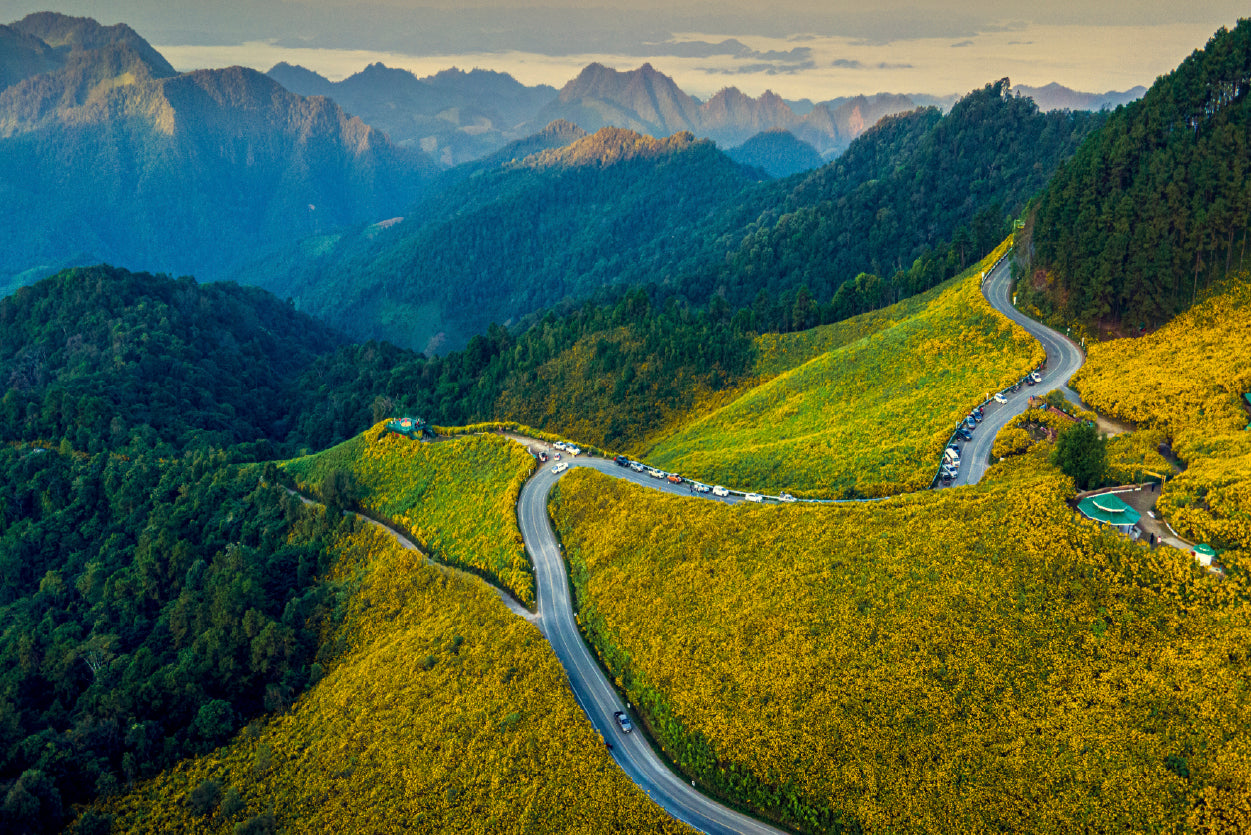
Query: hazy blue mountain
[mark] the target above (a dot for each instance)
(111, 156)
(778, 153)
(453, 116)
(1057, 97)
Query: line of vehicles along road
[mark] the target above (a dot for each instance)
(672, 478)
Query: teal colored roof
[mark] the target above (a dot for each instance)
(1247, 396)
(1109, 509)
(1205, 550)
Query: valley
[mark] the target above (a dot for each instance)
(601, 458)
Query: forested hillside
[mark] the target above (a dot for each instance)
(918, 186)
(614, 208)
(111, 360)
(1155, 206)
(913, 202)
(151, 606)
(109, 155)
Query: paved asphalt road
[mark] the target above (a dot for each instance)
(592, 689)
(1063, 360)
(555, 605)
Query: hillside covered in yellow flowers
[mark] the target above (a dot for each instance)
(866, 415)
(444, 713)
(972, 660)
(1188, 380)
(457, 497)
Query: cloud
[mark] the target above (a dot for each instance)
(847, 64)
(757, 69)
(962, 43)
(730, 47)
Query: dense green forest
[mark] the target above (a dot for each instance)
(1156, 205)
(150, 607)
(113, 360)
(920, 190)
(914, 201)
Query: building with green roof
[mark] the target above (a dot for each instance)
(1205, 554)
(1110, 510)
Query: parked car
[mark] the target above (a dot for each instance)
(999, 398)
(754, 497)
(637, 467)
(623, 721)
(1036, 377)
(787, 497)
(720, 491)
(946, 478)
(560, 468)
(674, 478)
(560, 445)
(964, 435)
(573, 450)
(700, 488)
(654, 473)
(621, 461)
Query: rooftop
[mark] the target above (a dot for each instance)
(1109, 509)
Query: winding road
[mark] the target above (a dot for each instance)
(554, 614)
(1063, 360)
(591, 687)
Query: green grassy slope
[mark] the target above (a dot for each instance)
(869, 416)
(457, 497)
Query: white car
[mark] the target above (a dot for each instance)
(559, 468)
(655, 473)
(573, 450)
(720, 491)
(637, 467)
(700, 488)
(999, 398)
(754, 497)
(787, 497)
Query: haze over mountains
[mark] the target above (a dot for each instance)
(110, 155)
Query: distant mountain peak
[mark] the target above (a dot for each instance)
(64, 32)
(609, 146)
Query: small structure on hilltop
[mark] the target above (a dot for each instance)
(1205, 554)
(414, 428)
(1110, 510)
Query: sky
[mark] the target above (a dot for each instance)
(816, 49)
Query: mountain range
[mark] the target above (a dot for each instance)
(108, 154)
(458, 116)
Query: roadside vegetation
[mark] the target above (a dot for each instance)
(975, 659)
(1187, 381)
(869, 417)
(442, 713)
(457, 498)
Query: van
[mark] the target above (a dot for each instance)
(952, 456)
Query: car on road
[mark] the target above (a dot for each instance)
(637, 467)
(787, 497)
(573, 450)
(964, 435)
(654, 473)
(623, 721)
(560, 445)
(673, 478)
(621, 461)
(720, 491)
(700, 488)
(999, 398)
(754, 497)
(1036, 377)
(560, 468)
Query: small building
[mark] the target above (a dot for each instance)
(1205, 554)
(1110, 510)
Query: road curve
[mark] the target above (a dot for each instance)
(590, 686)
(1063, 360)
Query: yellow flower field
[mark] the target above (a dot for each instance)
(446, 713)
(966, 660)
(869, 417)
(457, 497)
(1188, 380)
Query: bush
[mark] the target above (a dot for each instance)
(205, 796)
(1082, 454)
